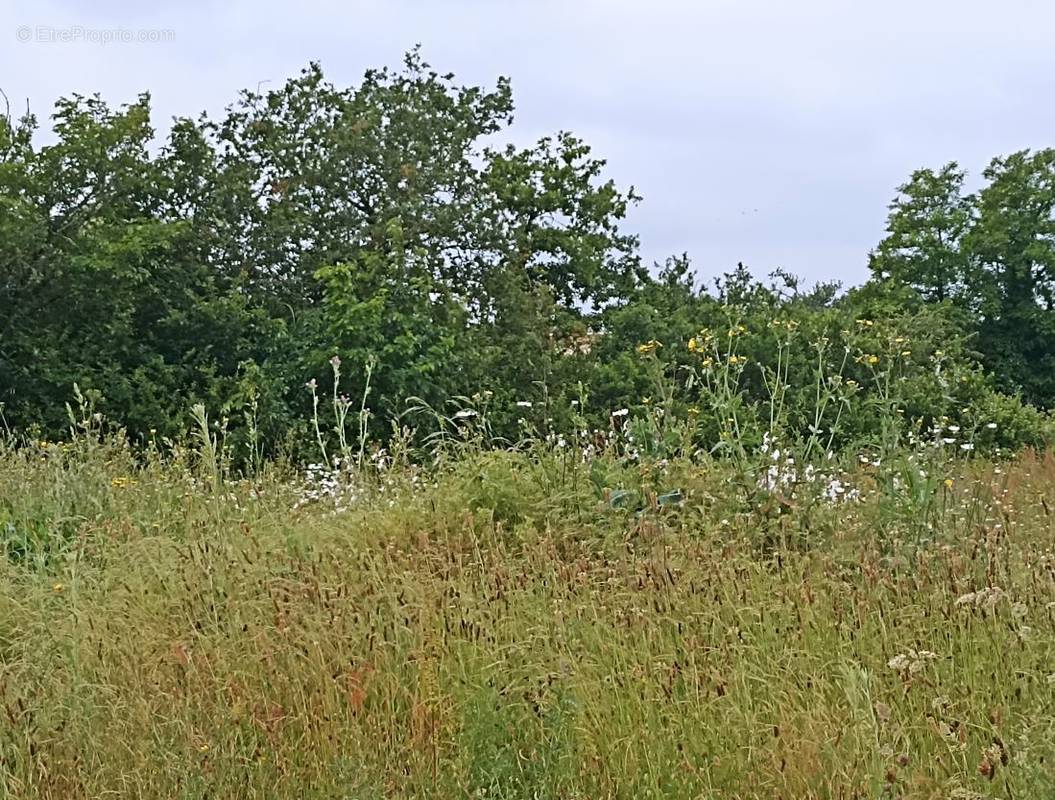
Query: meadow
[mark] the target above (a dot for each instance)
(350, 447)
(553, 619)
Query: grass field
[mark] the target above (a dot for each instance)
(522, 625)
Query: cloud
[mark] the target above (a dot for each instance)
(771, 133)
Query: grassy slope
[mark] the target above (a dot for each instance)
(188, 645)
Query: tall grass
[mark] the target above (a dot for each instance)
(546, 621)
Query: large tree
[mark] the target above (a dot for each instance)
(381, 221)
(991, 254)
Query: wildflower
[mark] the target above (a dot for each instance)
(622, 412)
(695, 345)
(986, 598)
(912, 662)
(734, 360)
(312, 384)
(335, 361)
(465, 413)
(865, 323)
(649, 347)
(906, 353)
(57, 588)
(948, 483)
(991, 426)
(899, 662)
(871, 360)
(525, 403)
(967, 446)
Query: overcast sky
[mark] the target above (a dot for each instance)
(770, 133)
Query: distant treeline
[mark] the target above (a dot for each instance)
(230, 263)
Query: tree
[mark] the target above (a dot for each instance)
(923, 248)
(1013, 243)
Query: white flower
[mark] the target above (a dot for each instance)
(622, 412)
(465, 413)
(914, 661)
(991, 426)
(986, 597)
(523, 404)
(899, 662)
(967, 446)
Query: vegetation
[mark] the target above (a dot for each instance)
(347, 453)
(525, 623)
(383, 223)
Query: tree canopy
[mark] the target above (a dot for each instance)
(388, 224)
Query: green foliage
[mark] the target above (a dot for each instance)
(991, 254)
(383, 224)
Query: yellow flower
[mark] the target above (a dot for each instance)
(649, 347)
(58, 587)
(871, 360)
(695, 345)
(906, 353)
(865, 323)
(948, 483)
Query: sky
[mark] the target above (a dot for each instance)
(769, 133)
